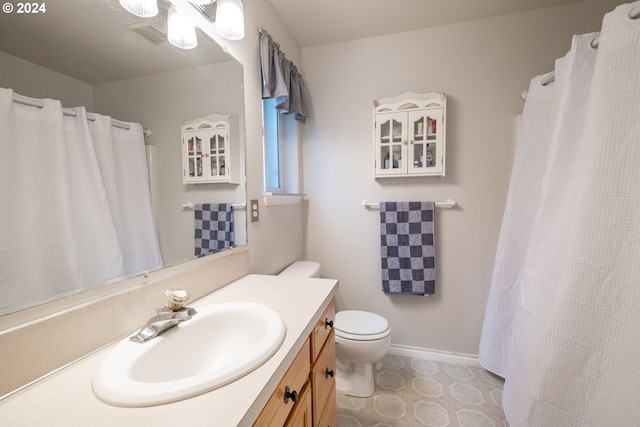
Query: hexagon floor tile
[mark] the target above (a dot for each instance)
(416, 392)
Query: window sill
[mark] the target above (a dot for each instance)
(271, 199)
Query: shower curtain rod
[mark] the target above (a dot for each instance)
(69, 112)
(551, 77)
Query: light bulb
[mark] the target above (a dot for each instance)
(230, 19)
(141, 8)
(181, 32)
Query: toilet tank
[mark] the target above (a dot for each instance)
(302, 269)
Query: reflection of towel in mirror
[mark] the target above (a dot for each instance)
(213, 227)
(407, 247)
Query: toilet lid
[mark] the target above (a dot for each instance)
(360, 325)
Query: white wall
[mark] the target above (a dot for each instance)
(162, 102)
(483, 66)
(35, 81)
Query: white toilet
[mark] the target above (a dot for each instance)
(362, 338)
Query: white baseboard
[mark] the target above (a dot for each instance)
(438, 355)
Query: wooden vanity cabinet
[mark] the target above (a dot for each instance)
(309, 381)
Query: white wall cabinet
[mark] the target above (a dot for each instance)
(211, 150)
(410, 135)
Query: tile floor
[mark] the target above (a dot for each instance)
(420, 392)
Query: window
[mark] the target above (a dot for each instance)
(281, 155)
(272, 147)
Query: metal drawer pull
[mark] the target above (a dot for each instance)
(293, 395)
(328, 373)
(328, 323)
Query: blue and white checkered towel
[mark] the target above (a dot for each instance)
(213, 227)
(407, 247)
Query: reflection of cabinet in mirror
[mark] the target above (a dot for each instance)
(410, 135)
(211, 150)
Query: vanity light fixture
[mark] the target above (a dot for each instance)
(230, 19)
(180, 29)
(141, 8)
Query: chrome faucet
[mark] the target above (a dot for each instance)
(167, 317)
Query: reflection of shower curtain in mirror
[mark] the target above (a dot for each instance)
(122, 159)
(67, 219)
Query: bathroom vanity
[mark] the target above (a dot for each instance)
(302, 369)
(306, 395)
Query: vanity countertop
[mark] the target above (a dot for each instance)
(65, 398)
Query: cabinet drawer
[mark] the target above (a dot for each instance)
(323, 328)
(276, 411)
(323, 377)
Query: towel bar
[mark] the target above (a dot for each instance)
(233, 205)
(450, 203)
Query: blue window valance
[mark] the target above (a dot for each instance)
(281, 80)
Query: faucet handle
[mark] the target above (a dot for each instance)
(176, 298)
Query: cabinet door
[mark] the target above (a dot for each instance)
(329, 415)
(391, 143)
(323, 379)
(279, 406)
(193, 157)
(425, 156)
(301, 415)
(218, 146)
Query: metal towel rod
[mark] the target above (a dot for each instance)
(450, 203)
(233, 205)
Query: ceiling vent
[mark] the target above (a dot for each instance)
(147, 30)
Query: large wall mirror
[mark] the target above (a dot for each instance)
(97, 55)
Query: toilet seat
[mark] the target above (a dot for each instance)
(359, 325)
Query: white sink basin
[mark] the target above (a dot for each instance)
(220, 344)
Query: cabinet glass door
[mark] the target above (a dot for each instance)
(217, 155)
(194, 156)
(214, 156)
(424, 143)
(222, 141)
(391, 138)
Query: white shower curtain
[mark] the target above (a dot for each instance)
(123, 162)
(563, 318)
(100, 257)
(57, 232)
